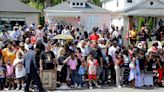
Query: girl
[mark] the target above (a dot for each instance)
(132, 71)
(10, 75)
(20, 71)
(92, 71)
(72, 63)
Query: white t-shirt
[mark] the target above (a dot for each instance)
(112, 52)
(39, 34)
(19, 68)
(115, 34)
(65, 31)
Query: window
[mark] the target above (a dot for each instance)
(129, 1)
(73, 3)
(151, 3)
(81, 4)
(77, 4)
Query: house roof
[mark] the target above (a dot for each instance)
(146, 12)
(65, 7)
(15, 6)
(146, 9)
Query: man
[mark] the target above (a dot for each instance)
(47, 59)
(39, 33)
(27, 43)
(21, 49)
(94, 36)
(115, 33)
(112, 57)
(97, 54)
(133, 36)
(31, 69)
(66, 30)
(16, 34)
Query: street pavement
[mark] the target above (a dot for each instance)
(110, 89)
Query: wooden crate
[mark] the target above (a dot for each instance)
(48, 78)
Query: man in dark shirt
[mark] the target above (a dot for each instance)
(97, 54)
(47, 59)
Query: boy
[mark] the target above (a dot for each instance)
(92, 71)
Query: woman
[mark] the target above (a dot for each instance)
(63, 71)
(119, 70)
(148, 80)
(141, 65)
(132, 71)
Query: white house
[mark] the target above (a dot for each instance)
(78, 13)
(127, 12)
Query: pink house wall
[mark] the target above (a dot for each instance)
(102, 19)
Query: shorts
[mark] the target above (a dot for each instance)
(23, 78)
(92, 76)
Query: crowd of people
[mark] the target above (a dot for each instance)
(90, 60)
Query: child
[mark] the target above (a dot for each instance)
(132, 71)
(2, 76)
(81, 73)
(92, 71)
(72, 63)
(20, 71)
(10, 75)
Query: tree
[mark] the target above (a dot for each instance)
(96, 2)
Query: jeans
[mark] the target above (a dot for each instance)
(74, 76)
(80, 79)
(2, 83)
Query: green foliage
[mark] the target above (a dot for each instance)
(141, 21)
(97, 2)
(37, 5)
(150, 23)
(55, 2)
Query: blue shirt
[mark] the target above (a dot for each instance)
(81, 70)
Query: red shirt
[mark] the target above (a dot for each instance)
(33, 39)
(94, 37)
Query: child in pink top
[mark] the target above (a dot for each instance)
(72, 63)
(10, 75)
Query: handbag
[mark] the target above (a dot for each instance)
(59, 68)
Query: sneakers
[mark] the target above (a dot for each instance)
(98, 86)
(79, 86)
(22, 88)
(90, 87)
(17, 89)
(119, 87)
(6, 89)
(75, 85)
(64, 87)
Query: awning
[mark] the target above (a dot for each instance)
(146, 12)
